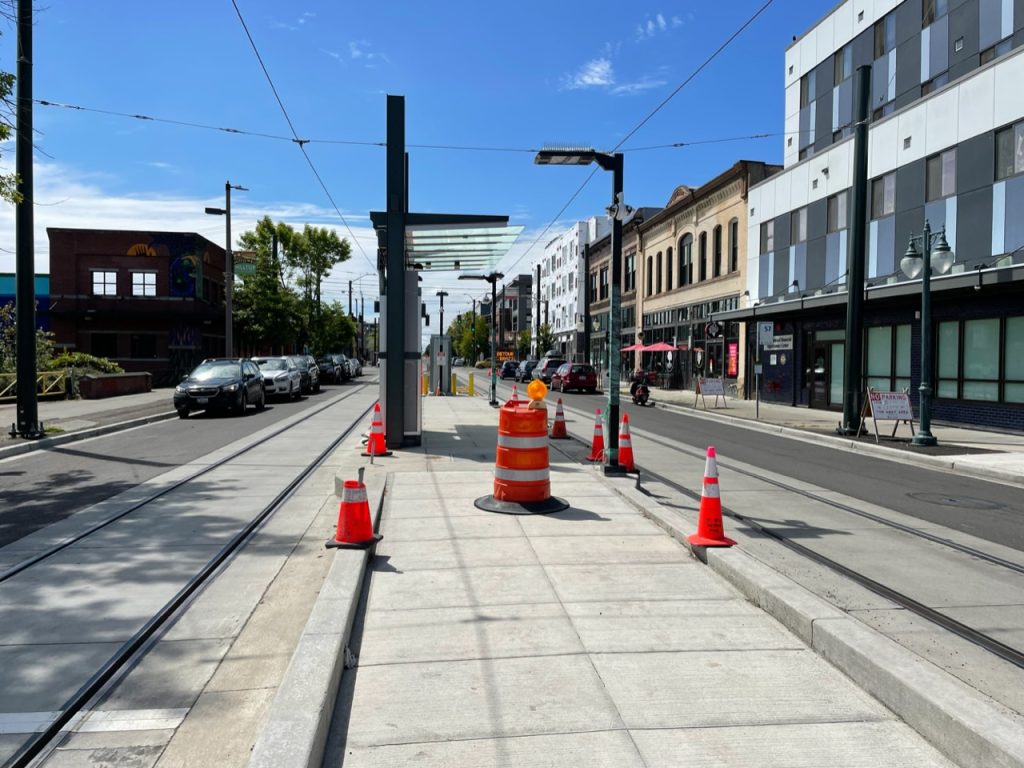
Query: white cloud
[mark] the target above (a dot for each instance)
(66, 198)
(359, 50)
(662, 24)
(644, 84)
(652, 26)
(597, 72)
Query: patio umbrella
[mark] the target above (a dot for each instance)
(660, 346)
(632, 348)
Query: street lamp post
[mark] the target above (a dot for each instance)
(441, 295)
(493, 279)
(914, 264)
(618, 211)
(229, 267)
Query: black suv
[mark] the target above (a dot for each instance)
(309, 371)
(223, 383)
(525, 370)
(332, 368)
(508, 369)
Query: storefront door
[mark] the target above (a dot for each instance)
(817, 374)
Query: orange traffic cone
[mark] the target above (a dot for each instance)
(376, 445)
(355, 529)
(558, 430)
(597, 450)
(709, 525)
(626, 446)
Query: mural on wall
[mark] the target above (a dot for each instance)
(185, 256)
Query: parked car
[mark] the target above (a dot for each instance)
(332, 369)
(458, 362)
(281, 377)
(308, 373)
(508, 369)
(546, 368)
(358, 366)
(224, 383)
(525, 370)
(581, 376)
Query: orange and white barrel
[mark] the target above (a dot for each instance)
(521, 468)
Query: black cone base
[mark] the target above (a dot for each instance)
(546, 507)
(332, 544)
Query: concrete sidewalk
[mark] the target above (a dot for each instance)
(592, 635)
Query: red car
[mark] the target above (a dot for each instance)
(579, 376)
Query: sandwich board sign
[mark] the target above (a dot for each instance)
(887, 406)
(714, 387)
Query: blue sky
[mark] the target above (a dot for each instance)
(473, 74)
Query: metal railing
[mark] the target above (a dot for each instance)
(51, 384)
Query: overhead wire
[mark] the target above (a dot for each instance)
(643, 122)
(295, 136)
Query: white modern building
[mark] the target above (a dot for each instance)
(562, 272)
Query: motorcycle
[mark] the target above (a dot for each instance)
(639, 391)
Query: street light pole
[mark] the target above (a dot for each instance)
(229, 267)
(441, 295)
(493, 279)
(618, 211)
(913, 264)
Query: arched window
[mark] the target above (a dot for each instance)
(702, 254)
(717, 245)
(668, 268)
(734, 245)
(686, 260)
(658, 273)
(650, 275)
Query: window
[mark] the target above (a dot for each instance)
(143, 284)
(767, 237)
(936, 82)
(104, 345)
(143, 346)
(885, 35)
(997, 50)
(837, 218)
(702, 251)
(631, 272)
(668, 268)
(879, 358)
(716, 245)
(592, 292)
(604, 284)
(686, 260)
(940, 175)
(1010, 151)
(104, 283)
(650, 275)
(808, 83)
(657, 273)
(1013, 353)
(734, 245)
(885, 109)
(843, 64)
(798, 225)
(932, 10)
(981, 360)
(883, 196)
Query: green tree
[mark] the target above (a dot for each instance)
(261, 240)
(335, 330)
(312, 255)
(545, 340)
(266, 312)
(475, 340)
(8, 181)
(9, 341)
(523, 344)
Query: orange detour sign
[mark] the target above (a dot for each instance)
(626, 446)
(355, 529)
(522, 479)
(709, 525)
(597, 450)
(376, 446)
(558, 430)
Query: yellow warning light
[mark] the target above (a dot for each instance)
(537, 389)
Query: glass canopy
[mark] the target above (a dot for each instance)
(447, 247)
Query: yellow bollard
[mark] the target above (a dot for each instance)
(455, 385)
(426, 385)
(469, 387)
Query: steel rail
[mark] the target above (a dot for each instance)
(94, 685)
(23, 565)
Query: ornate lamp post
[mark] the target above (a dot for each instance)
(913, 264)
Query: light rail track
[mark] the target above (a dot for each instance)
(43, 740)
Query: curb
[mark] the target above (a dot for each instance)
(295, 730)
(840, 444)
(966, 726)
(82, 434)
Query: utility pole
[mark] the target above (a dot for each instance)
(25, 291)
(536, 317)
(350, 298)
(229, 267)
(362, 329)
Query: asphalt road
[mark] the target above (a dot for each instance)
(43, 487)
(988, 510)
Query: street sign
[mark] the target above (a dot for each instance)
(765, 332)
(245, 268)
(779, 343)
